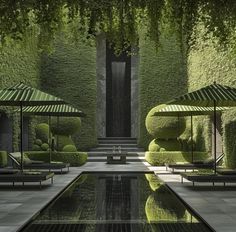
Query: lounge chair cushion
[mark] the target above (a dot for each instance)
(226, 171)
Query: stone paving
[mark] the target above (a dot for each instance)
(216, 205)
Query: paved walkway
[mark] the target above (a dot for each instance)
(216, 205)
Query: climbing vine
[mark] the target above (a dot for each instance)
(119, 19)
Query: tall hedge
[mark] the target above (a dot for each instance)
(19, 62)
(70, 73)
(210, 61)
(162, 76)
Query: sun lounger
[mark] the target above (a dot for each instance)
(208, 178)
(195, 165)
(27, 177)
(5, 171)
(35, 164)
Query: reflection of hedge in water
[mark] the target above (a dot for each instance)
(154, 183)
(162, 205)
(76, 203)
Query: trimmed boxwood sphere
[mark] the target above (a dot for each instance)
(164, 145)
(66, 125)
(44, 146)
(41, 131)
(69, 148)
(63, 140)
(38, 142)
(36, 147)
(164, 127)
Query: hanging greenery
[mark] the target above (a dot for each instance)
(119, 19)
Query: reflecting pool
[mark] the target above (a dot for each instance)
(129, 202)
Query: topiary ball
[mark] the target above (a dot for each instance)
(36, 147)
(164, 127)
(42, 132)
(69, 148)
(38, 142)
(66, 125)
(164, 145)
(62, 141)
(44, 146)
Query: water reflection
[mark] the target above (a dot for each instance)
(115, 202)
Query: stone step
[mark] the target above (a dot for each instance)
(117, 138)
(104, 154)
(115, 144)
(113, 140)
(104, 159)
(109, 149)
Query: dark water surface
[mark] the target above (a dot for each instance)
(116, 202)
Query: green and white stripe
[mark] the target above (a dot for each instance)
(183, 110)
(21, 94)
(215, 94)
(53, 110)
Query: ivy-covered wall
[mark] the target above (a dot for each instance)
(19, 62)
(209, 61)
(162, 76)
(70, 73)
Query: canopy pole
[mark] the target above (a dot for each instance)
(21, 136)
(57, 134)
(191, 121)
(50, 139)
(215, 136)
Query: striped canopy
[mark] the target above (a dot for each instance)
(53, 110)
(21, 94)
(209, 96)
(182, 110)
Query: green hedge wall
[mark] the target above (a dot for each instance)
(70, 72)
(162, 76)
(209, 61)
(3, 159)
(19, 62)
(160, 158)
(75, 159)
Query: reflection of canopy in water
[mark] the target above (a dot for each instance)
(162, 205)
(153, 181)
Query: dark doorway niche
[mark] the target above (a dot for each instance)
(118, 87)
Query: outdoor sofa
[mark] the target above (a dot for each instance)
(195, 165)
(14, 176)
(208, 178)
(36, 164)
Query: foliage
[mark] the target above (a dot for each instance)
(3, 159)
(62, 141)
(153, 181)
(69, 148)
(166, 145)
(164, 127)
(77, 64)
(160, 158)
(74, 158)
(36, 147)
(118, 19)
(42, 132)
(38, 142)
(162, 76)
(44, 146)
(65, 125)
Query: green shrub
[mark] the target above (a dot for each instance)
(62, 141)
(162, 206)
(42, 132)
(36, 147)
(44, 146)
(164, 145)
(3, 159)
(164, 127)
(66, 126)
(69, 148)
(74, 158)
(160, 158)
(38, 142)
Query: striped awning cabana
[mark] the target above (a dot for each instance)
(183, 110)
(208, 96)
(24, 95)
(63, 110)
